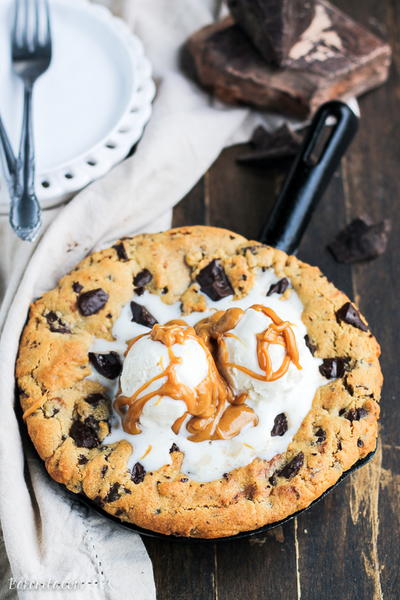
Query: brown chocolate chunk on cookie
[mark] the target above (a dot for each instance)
(56, 325)
(332, 368)
(142, 278)
(138, 473)
(141, 315)
(349, 314)
(293, 467)
(89, 303)
(109, 365)
(121, 251)
(113, 493)
(214, 282)
(84, 435)
(310, 345)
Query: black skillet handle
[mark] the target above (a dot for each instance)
(309, 177)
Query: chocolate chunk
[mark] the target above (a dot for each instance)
(109, 365)
(56, 325)
(113, 493)
(226, 476)
(360, 241)
(138, 473)
(273, 26)
(184, 479)
(104, 470)
(164, 290)
(89, 303)
(355, 414)
(121, 252)
(119, 512)
(142, 278)
(139, 291)
(312, 347)
(77, 287)
(279, 287)
(214, 282)
(320, 434)
(94, 399)
(349, 314)
(174, 448)
(84, 435)
(225, 62)
(271, 145)
(293, 467)
(332, 368)
(360, 443)
(82, 460)
(141, 315)
(280, 425)
(98, 500)
(273, 479)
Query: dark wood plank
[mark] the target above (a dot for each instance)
(356, 555)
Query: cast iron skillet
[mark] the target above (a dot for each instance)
(284, 228)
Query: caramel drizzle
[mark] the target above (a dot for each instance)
(278, 332)
(210, 418)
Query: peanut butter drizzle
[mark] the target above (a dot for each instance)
(210, 418)
(218, 326)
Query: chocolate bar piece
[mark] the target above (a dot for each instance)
(334, 58)
(271, 145)
(273, 26)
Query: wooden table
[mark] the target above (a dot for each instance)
(347, 546)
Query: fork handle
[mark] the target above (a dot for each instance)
(25, 217)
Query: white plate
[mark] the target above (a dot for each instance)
(90, 107)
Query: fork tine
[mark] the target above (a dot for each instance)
(37, 24)
(48, 28)
(17, 16)
(25, 28)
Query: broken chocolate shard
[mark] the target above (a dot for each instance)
(350, 315)
(360, 241)
(174, 448)
(214, 282)
(293, 467)
(55, 323)
(143, 278)
(320, 434)
(94, 399)
(109, 365)
(84, 435)
(312, 347)
(226, 63)
(355, 414)
(121, 252)
(271, 145)
(279, 287)
(89, 303)
(333, 368)
(138, 473)
(141, 315)
(273, 26)
(280, 425)
(113, 493)
(77, 287)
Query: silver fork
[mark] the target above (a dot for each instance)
(31, 56)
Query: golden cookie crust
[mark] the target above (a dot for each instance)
(52, 364)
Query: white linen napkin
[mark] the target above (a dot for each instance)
(48, 537)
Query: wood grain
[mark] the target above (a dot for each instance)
(347, 546)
